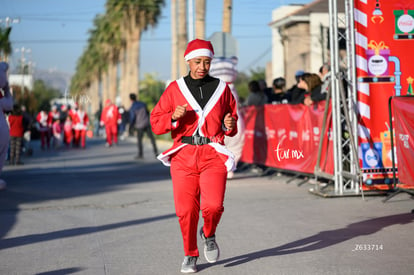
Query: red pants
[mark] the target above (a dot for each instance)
(67, 137)
(198, 172)
(80, 138)
(111, 133)
(45, 139)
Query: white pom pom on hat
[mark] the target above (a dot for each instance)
(198, 47)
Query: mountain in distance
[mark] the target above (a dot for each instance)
(54, 78)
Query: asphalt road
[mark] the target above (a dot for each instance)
(99, 211)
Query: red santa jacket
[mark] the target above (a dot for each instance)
(80, 120)
(45, 121)
(110, 115)
(208, 121)
(16, 125)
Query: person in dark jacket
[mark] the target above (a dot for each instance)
(279, 96)
(139, 121)
(295, 93)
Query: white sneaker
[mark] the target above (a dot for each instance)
(211, 249)
(189, 264)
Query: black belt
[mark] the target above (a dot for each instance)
(195, 140)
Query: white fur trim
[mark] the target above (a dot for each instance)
(165, 158)
(230, 163)
(198, 52)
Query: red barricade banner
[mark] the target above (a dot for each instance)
(403, 108)
(287, 137)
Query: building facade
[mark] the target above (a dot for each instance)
(300, 39)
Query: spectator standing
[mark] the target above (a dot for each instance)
(16, 135)
(256, 96)
(6, 104)
(279, 96)
(139, 121)
(295, 93)
(263, 87)
(110, 118)
(325, 75)
(44, 121)
(312, 84)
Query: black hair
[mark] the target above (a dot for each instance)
(133, 96)
(254, 86)
(279, 83)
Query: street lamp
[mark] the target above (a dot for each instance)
(8, 21)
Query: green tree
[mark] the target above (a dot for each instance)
(43, 95)
(243, 79)
(257, 74)
(151, 90)
(241, 85)
(135, 17)
(114, 43)
(5, 45)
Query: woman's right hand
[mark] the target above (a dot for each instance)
(179, 112)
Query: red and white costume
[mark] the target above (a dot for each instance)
(54, 113)
(68, 131)
(45, 123)
(196, 170)
(110, 117)
(80, 125)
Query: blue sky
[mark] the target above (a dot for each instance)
(56, 32)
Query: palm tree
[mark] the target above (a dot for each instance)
(174, 46)
(200, 20)
(182, 35)
(5, 45)
(91, 68)
(136, 16)
(227, 11)
(114, 43)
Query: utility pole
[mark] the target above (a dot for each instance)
(23, 50)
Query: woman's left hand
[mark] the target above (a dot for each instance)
(229, 122)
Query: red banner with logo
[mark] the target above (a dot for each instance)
(403, 108)
(287, 137)
(384, 35)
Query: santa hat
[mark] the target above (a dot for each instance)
(198, 47)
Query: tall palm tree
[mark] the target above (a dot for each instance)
(5, 45)
(137, 16)
(174, 46)
(114, 43)
(182, 35)
(200, 19)
(227, 11)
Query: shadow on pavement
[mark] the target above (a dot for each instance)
(67, 233)
(74, 173)
(321, 240)
(63, 271)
